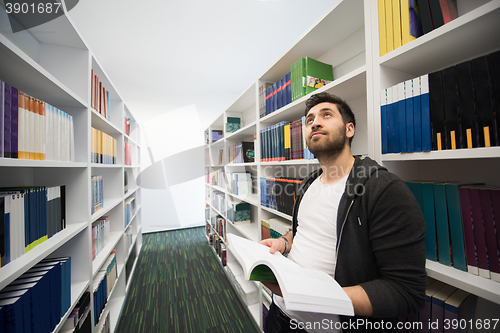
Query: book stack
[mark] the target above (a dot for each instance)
(101, 229)
(217, 178)
(401, 21)
(128, 153)
(449, 109)
(242, 152)
(308, 75)
(238, 213)
(279, 193)
(79, 320)
(278, 94)
(99, 97)
(28, 217)
(103, 285)
(31, 129)
(274, 227)
(36, 301)
(129, 210)
(284, 141)
(262, 98)
(233, 124)
(97, 197)
(462, 225)
(219, 225)
(239, 183)
(103, 147)
(217, 135)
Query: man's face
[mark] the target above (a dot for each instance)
(325, 130)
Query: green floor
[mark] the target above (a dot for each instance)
(179, 286)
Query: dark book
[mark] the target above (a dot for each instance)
(494, 69)
(430, 221)
(437, 113)
(442, 228)
(468, 230)
(248, 152)
(436, 13)
(453, 133)
(7, 110)
(14, 123)
(483, 102)
(449, 10)
(425, 16)
(489, 232)
(479, 236)
(2, 231)
(468, 122)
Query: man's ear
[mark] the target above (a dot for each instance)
(349, 130)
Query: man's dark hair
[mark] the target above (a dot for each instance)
(344, 109)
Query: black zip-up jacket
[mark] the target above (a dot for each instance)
(380, 240)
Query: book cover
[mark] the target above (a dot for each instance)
(482, 101)
(410, 126)
(305, 290)
(430, 221)
(394, 140)
(451, 116)
(383, 121)
(417, 115)
(318, 74)
(401, 106)
(468, 230)
(7, 111)
(495, 203)
(490, 233)
(425, 16)
(405, 21)
(2, 113)
(455, 225)
(494, 70)
(389, 26)
(438, 299)
(14, 123)
(415, 23)
(425, 314)
(460, 307)
(465, 95)
(449, 10)
(396, 22)
(436, 13)
(381, 27)
(479, 236)
(436, 111)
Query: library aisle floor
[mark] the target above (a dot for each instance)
(179, 286)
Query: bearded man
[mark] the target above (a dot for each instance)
(357, 222)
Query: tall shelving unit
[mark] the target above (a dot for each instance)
(347, 37)
(52, 63)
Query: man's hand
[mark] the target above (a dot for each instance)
(275, 244)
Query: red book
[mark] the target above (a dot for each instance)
(449, 10)
(479, 236)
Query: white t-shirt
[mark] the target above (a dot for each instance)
(314, 246)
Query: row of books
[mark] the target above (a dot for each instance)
(462, 225)
(31, 129)
(218, 245)
(101, 229)
(97, 193)
(238, 213)
(284, 141)
(239, 183)
(242, 152)
(36, 301)
(277, 94)
(274, 227)
(103, 285)
(129, 211)
(103, 147)
(216, 178)
(128, 154)
(28, 217)
(233, 124)
(219, 201)
(279, 193)
(446, 309)
(78, 320)
(217, 135)
(99, 96)
(401, 21)
(218, 224)
(449, 109)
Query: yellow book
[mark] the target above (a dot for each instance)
(389, 27)
(381, 27)
(396, 21)
(405, 22)
(287, 142)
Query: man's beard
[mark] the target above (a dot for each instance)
(330, 148)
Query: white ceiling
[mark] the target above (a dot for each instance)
(165, 55)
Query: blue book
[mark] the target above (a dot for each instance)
(401, 117)
(417, 115)
(23, 297)
(13, 315)
(410, 135)
(430, 221)
(442, 228)
(279, 94)
(393, 119)
(383, 120)
(426, 113)
(288, 88)
(14, 123)
(54, 275)
(268, 102)
(455, 224)
(34, 299)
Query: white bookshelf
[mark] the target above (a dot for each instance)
(52, 63)
(359, 75)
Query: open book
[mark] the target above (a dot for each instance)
(303, 289)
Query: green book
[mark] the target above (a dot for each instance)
(317, 73)
(233, 124)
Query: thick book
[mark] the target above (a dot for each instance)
(389, 27)
(396, 23)
(381, 27)
(425, 16)
(430, 221)
(426, 113)
(468, 230)
(417, 115)
(451, 116)
(401, 105)
(383, 121)
(494, 70)
(455, 224)
(437, 113)
(410, 126)
(479, 236)
(415, 22)
(442, 228)
(303, 289)
(466, 105)
(436, 13)
(489, 233)
(460, 307)
(438, 299)
(425, 313)
(318, 74)
(449, 10)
